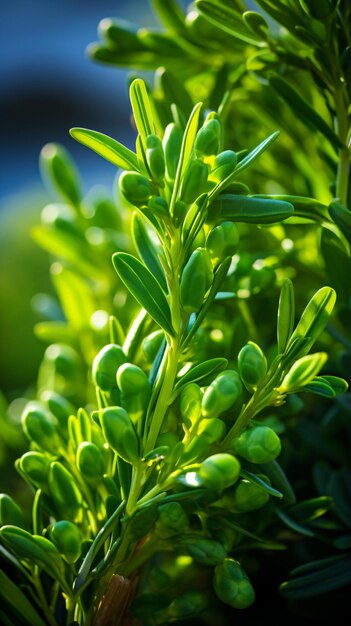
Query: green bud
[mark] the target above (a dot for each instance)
(59, 170)
(208, 139)
(158, 205)
(222, 241)
(247, 496)
(135, 390)
(36, 466)
(39, 426)
(194, 181)
(223, 165)
(219, 471)
(90, 462)
(196, 280)
(120, 433)
(258, 445)
(135, 187)
(252, 365)
(60, 407)
(172, 143)
(232, 585)
(105, 366)
(10, 513)
(131, 379)
(172, 520)
(67, 538)
(190, 403)
(187, 605)
(214, 429)
(303, 371)
(67, 497)
(151, 345)
(206, 551)
(155, 157)
(222, 394)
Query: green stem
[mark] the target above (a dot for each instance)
(342, 177)
(42, 598)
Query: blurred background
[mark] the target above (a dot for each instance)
(48, 85)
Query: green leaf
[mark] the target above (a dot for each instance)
(202, 371)
(303, 371)
(145, 288)
(174, 91)
(108, 148)
(229, 21)
(76, 297)
(286, 315)
(12, 595)
(320, 577)
(251, 209)
(338, 266)
(320, 387)
(306, 208)
(170, 15)
(58, 169)
(278, 479)
(302, 109)
(314, 317)
(295, 526)
(341, 217)
(262, 484)
(141, 108)
(311, 509)
(147, 250)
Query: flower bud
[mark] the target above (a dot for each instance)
(214, 429)
(172, 143)
(10, 513)
(35, 466)
(259, 444)
(246, 496)
(67, 538)
(60, 407)
(224, 164)
(208, 139)
(206, 551)
(90, 462)
(194, 181)
(105, 366)
(67, 497)
(222, 394)
(155, 157)
(222, 241)
(151, 344)
(135, 390)
(172, 520)
(232, 585)
(196, 279)
(39, 426)
(135, 187)
(190, 403)
(252, 365)
(119, 433)
(219, 471)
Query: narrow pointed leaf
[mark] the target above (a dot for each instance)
(145, 288)
(315, 317)
(147, 250)
(286, 315)
(141, 108)
(108, 148)
(187, 146)
(12, 595)
(302, 109)
(199, 372)
(228, 20)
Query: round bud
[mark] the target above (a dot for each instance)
(208, 138)
(232, 585)
(222, 241)
(151, 344)
(120, 433)
(105, 366)
(222, 394)
(131, 379)
(135, 187)
(67, 538)
(252, 365)
(219, 471)
(206, 551)
(258, 445)
(196, 279)
(246, 496)
(214, 429)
